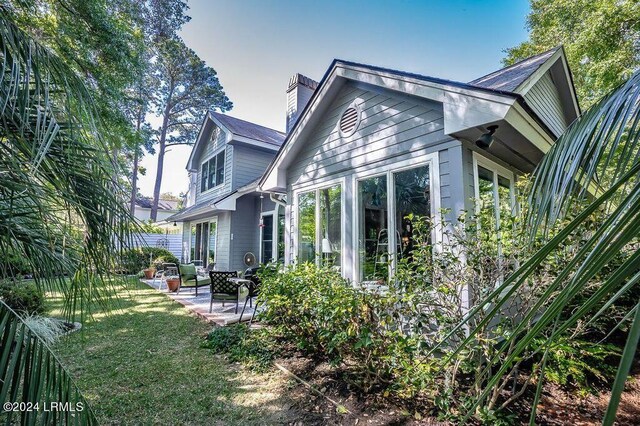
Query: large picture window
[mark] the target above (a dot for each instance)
(378, 243)
(212, 172)
(320, 226)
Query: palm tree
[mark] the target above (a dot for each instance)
(598, 160)
(60, 210)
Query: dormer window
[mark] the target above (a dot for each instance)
(212, 172)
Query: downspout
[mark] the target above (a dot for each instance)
(278, 201)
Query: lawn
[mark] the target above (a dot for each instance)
(142, 363)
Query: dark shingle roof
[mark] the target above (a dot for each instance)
(146, 203)
(250, 130)
(509, 78)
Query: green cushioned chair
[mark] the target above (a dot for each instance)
(190, 279)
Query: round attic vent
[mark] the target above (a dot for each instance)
(349, 121)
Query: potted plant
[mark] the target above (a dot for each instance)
(149, 272)
(173, 283)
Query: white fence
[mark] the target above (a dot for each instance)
(173, 243)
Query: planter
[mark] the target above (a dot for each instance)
(148, 273)
(173, 284)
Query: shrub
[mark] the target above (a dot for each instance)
(137, 259)
(24, 298)
(255, 348)
(581, 364)
(387, 341)
(13, 264)
(325, 316)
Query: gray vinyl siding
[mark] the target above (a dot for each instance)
(544, 99)
(453, 191)
(249, 165)
(223, 243)
(392, 129)
(245, 229)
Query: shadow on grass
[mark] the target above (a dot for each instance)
(140, 361)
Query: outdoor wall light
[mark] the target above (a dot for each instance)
(175, 224)
(486, 139)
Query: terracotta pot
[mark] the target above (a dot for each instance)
(173, 284)
(148, 273)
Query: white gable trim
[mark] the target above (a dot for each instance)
(480, 107)
(559, 55)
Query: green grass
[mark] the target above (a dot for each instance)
(142, 363)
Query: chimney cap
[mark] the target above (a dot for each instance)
(299, 79)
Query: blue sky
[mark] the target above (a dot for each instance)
(255, 46)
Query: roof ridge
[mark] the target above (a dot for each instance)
(530, 58)
(245, 121)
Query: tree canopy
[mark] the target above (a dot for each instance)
(601, 39)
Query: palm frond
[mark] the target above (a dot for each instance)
(60, 205)
(602, 148)
(33, 384)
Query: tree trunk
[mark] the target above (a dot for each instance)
(134, 183)
(134, 176)
(161, 148)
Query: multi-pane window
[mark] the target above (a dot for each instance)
(495, 204)
(320, 226)
(212, 172)
(494, 197)
(379, 244)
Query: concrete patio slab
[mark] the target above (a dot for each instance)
(220, 315)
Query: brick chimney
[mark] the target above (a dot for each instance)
(299, 92)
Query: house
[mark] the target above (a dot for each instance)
(374, 145)
(143, 205)
(224, 217)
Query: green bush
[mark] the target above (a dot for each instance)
(24, 298)
(255, 348)
(137, 259)
(13, 264)
(325, 316)
(581, 364)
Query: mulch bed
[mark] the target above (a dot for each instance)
(558, 406)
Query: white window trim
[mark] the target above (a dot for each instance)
(191, 236)
(274, 233)
(316, 188)
(432, 160)
(224, 178)
(497, 169)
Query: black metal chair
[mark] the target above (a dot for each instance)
(251, 274)
(222, 289)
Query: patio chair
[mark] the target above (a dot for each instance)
(222, 289)
(167, 269)
(189, 277)
(251, 274)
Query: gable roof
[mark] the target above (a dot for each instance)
(511, 77)
(250, 130)
(236, 129)
(467, 106)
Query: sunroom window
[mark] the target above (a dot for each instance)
(379, 243)
(320, 226)
(494, 196)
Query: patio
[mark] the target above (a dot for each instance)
(200, 305)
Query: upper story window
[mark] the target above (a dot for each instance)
(212, 172)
